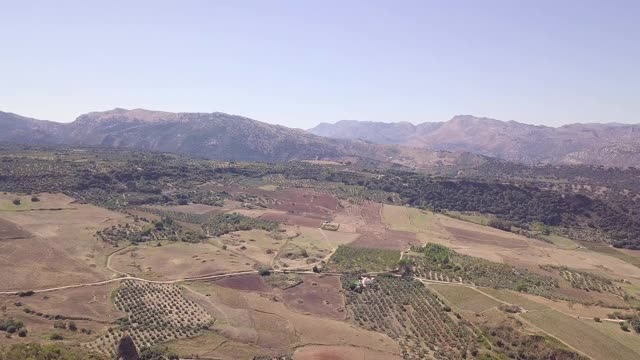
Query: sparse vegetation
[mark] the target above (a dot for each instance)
(359, 259)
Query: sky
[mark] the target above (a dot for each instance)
(299, 63)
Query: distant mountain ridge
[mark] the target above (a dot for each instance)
(211, 135)
(595, 144)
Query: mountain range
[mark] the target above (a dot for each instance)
(213, 136)
(464, 139)
(596, 144)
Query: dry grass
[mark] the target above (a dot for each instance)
(179, 260)
(425, 224)
(579, 335)
(310, 245)
(236, 313)
(465, 298)
(62, 249)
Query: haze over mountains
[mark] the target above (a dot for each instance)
(210, 135)
(231, 137)
(597, 144)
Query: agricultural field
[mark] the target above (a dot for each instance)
(56, 243)
(465, 298)
(425, 224)
(407, 311)
(577, 334)
(176, 260)
(155, 313)
(218, 260)
(350, 259)
(310, 246)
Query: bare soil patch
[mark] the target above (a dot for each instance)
(91, 302)
(318, 296)
(9, 230)
(237, 309)
(178, 261)
(318, 352)
(244, 283)
(62, 250)
(467, 236)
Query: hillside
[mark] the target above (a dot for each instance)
(213, 136)
(595, 144)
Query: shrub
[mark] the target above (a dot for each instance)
(263, 271)
(17, 202)
(59, 324)
(72, 326)
(56, 337)
(22, 333)
(635, 323)
(597, 319)
(35, 199)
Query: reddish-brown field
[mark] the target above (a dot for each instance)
(9, 230)
(465, 236)
(244, 282)
(318, 352)
(317, 296)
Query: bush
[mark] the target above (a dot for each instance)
(35, 199)
(56, 337)
(597, 319)
(59, 324)
(624, 326)
(17, 202)
(635, 323)
(22, 333)
(72, 326)
(263, 271)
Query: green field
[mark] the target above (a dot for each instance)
(358, 259)
(515, 299)
(612, 330)
(465, 298)
(472, 218)
(561, 241)
(576, 333)
(611, 251)
(403, 218)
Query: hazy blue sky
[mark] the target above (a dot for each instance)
(301, 62)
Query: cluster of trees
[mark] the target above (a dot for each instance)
(407, 311)
(225, 223)
(119, 179)
(522, 205)
(481, 272)
(12, 326)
